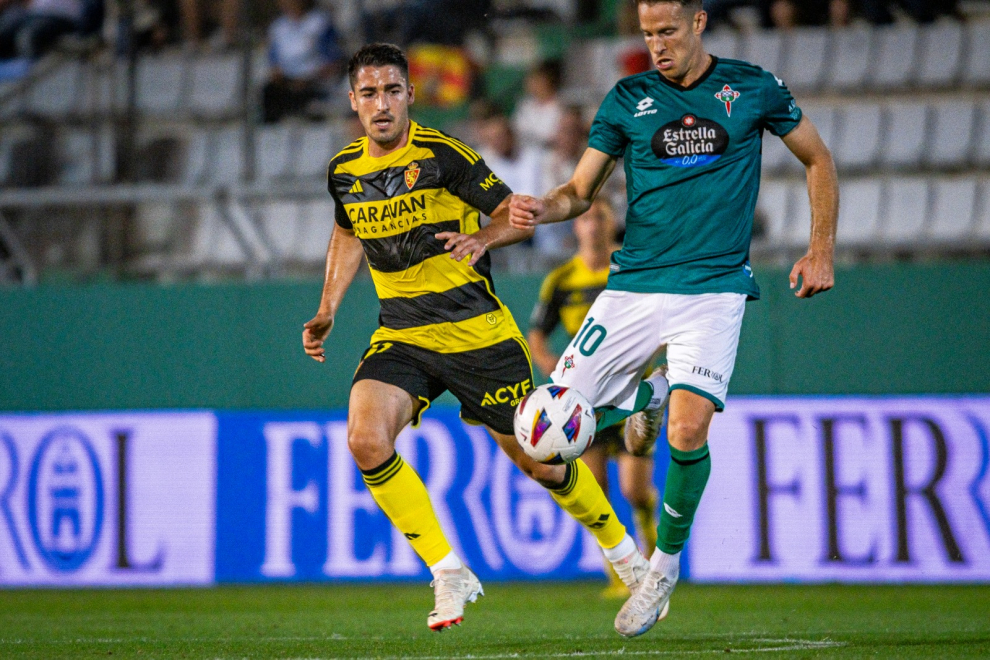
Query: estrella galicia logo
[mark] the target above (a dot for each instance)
(690, 142)
(65, 499)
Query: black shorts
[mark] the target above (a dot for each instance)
(489, 382)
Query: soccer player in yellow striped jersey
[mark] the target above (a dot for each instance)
(409, 199)
(565, 298)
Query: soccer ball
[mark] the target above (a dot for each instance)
(554, 424)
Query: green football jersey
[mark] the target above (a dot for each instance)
(692, 163)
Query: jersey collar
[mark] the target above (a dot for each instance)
(696, 83)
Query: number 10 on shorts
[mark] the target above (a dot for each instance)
(590, 338)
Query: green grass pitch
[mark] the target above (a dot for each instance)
(539, 620)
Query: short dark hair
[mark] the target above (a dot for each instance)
(697, 4)
(377, 55)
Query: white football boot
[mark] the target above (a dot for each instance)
(453, 588)
(649, 604)
(632, 569)
(643, 427)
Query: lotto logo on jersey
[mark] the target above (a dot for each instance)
(690, 142)
(645, 107)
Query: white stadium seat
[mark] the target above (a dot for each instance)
(849, 59)
(773, 206)
(827, 120)
(894, 56)
(313, 148)
(273, 147)
(952, 209)
(215, 85)
(161, 84)
(213, 242)
(226, 157)
(59, 93)
(859, 213)
(951, 138)
(316, 224)
(798, 227)
(776, 156)
(977, 68)
(86, 156)
(981, 134)
(905, 210)
(280, 223)
(856, 143)
(981, 223)
(723, 43)
(764, 48)
(905, 128)
(807, 54)
(940, 54)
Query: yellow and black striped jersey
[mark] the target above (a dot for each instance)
(566, 296)
(395, 205)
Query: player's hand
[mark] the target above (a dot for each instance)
(526, 212)
(315, 332)
(816, 273)
(461, 245)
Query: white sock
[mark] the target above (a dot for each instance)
(626, 547)
(447, 563)
(669, 565)
(661, 388)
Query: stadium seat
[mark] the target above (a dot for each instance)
(777, 157)
(105, 89)
(314, 146)
(316, 224)
(273, 146)
(774, 207)
(827, 120)
(904, 135)
(981, 154)
(797, 229)
(856, 142)
(58, 94)
(952, 209)
(951, 137)
(807, 53)
(86, 156)
(905, 210)
(280, 222)
(849, 60)
(894, 56)
(722, 43)
(977, 68)
(161, 84)
(215, 86)
(859, 213)
(981, 214)
(764, 48)
(940, 54)
(212, 241)
(226, 155)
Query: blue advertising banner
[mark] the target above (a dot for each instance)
(291, 505)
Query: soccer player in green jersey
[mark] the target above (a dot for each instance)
(690, 134)
(409, 198)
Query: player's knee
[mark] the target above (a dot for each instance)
(687, 434)
(368, 447)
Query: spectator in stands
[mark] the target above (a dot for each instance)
(33, 27)
(518, 164)
(197, 14)
(305, 59)
(879, 12)
(568, 145)
(431, 21)
(537, 115)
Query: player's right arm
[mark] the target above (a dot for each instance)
(343, 260)
(567, 201)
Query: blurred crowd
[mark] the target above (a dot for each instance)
(786, 14)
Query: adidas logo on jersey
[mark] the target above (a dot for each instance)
(645, 107)
(356, 189)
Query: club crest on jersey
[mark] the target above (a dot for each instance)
(568, 363)
(728, 96)
(412, 174)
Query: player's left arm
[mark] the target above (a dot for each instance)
(815, 269)
(498, 233)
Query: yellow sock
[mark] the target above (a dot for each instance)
(646, 524)
(402, 496)
(582, 497)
